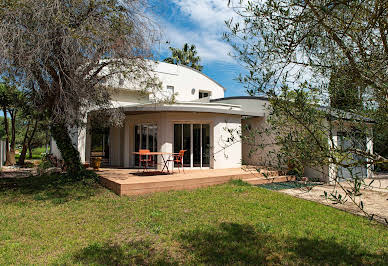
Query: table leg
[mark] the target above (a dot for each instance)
(165, 164)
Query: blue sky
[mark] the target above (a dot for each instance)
(199, 22)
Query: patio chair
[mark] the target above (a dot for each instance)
(178, 159)
(145, 159)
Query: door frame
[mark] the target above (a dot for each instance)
(192, 123)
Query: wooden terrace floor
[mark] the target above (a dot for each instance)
(134, 182)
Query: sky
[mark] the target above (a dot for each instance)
(202, 23)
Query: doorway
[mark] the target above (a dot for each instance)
(100, 144)
(195, 139)
(146, 138)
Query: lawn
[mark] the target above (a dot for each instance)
(36, 153)
(49, 220)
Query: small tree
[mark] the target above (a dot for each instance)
(31, 128)
(69, 49)
(11, 101)
(186, 56)
(338, 47)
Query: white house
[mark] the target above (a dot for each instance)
(200, 121)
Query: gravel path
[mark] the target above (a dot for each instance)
(375, 197)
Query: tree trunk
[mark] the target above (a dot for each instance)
(30, 151)
(13, 129)
(24, 146)
(31, 138)
(69, 153)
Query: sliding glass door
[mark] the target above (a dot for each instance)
(100, 143)
(145, 138)
(195, 139)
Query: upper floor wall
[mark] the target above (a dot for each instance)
(185, 83)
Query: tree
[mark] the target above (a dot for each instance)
(345, 90)
(69, 50)
(338, 47)
(11, 100)
(31, 126)
(186, 56)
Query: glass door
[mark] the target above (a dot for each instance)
(195, 139)
(100, 144)
(145, 138)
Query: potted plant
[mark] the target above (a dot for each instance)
(96, 162)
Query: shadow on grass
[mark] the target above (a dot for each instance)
(57, 188)
(132, 253)
(232, 243)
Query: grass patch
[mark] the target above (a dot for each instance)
(56, 220)
(288, 185)
(37, 154)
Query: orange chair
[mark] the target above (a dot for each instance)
(145, 159)
(178, 159)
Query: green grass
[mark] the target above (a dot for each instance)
(36, 153)
(287, 185)
(51, 220)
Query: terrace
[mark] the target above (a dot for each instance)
(134, 181)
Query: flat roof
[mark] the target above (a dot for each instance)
(190, 107)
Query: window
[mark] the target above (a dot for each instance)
(204, 94)
(170, 91)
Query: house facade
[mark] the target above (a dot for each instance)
(200, 121)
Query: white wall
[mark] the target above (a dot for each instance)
(258, 149)
(226, 155)
(183, 79)
(115, 146)
(122, 97)
(227, 143)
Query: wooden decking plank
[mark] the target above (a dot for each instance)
(128, 181)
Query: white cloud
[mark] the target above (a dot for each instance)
(207, 24)
(206, 13)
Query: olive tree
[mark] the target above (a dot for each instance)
(340, 48)
(69, 49)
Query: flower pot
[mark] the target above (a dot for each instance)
(96, 162)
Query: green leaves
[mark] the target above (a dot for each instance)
(186, 56)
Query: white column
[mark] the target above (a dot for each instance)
(332, 167)
(88, 143)
(369, 148)
(165, 137)
(126, 144)
(81, 145)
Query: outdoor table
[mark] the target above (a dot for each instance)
(162, 155)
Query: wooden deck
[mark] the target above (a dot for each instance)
(134, 182)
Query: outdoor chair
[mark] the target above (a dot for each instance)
(145, 159)
(178, 159)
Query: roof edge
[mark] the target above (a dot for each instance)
(203, 74)
(240, 97)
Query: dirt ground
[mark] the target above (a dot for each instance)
(374, 197)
